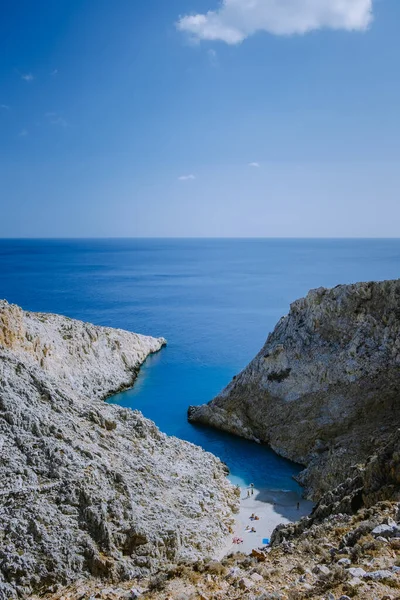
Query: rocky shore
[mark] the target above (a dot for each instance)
(324, 390)
(99, 504)
(344, 557)
(90, 490)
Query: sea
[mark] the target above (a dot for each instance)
(214, 300)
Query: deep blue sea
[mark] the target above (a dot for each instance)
(214, 300)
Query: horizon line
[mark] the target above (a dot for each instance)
(69, 238)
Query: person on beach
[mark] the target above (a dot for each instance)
(298, 506)
(253, 530)
(252, 488)
(248, 493)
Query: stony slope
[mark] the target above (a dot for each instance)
(89, 489)
(325, 389)
(342, 558)
(90, 360)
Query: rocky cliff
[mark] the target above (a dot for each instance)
(88, 489)
(325, 389)
(343, 557)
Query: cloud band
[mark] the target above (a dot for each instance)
(236, 20)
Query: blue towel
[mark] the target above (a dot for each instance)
(265, 541)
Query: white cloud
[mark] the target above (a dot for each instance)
(186, 177)
(23, 133)
(56, 119)
(212, 57)
(235, 20)
(59, 121)
(27, 77)
(254, 164)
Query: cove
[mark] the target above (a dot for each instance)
(214, 300)
(160, 393)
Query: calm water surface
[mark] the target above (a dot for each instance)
(214, 300)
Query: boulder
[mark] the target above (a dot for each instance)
(245, 583)
(385, 531)
(321, 570)
(356, 572)
(379, 575)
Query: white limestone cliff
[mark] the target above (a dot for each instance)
(89, 489)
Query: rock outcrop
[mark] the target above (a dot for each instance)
(89, 489)
(376, 481)
(325, 389)
(343, 557)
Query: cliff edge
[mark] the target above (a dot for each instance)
(324, 390)
(87, 489)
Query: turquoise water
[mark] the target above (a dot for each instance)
(214, 300)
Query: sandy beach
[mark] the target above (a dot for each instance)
(272, 508)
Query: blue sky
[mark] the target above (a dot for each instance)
(144, 118)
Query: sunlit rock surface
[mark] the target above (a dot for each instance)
(325, 388)
(89, 489)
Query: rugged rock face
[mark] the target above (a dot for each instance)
(86, 488)
(377, 481)
(325, 389)
(344, 557)
(90, 360)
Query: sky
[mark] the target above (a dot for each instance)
(192, 118)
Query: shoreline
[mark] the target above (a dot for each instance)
(273, 508)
